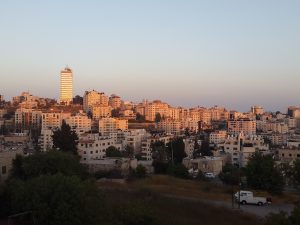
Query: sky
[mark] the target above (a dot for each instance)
(232, 53)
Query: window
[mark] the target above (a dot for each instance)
(84, 152)
(3, 169)
(96, 151)
(91, 152)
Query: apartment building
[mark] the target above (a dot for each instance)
(94, 98)
(155, 107)
(189, 146)
(66, 86)
(115, 101)
(242, 147)
(169, 126)
(217, 137)
(100, 111)
(287, 155)
(112, 125)
(93, 147)
(79, 122)
(28, 118)
(245, 126)
(147, 145)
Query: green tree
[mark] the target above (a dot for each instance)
(129, 151)
(158, 117)
(296, 172)
(187, 132)
(295, 215)
(262, 174)
(115, 113)
(134, 213)
(140, 171)
(140, 118)
(281, 218)
(112, 151)
(178, 170)
(230, 175)
(176, 150)
(56, 200)
(65, 139)
(48, 163)
(160, 157)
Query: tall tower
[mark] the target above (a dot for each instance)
(66, 86)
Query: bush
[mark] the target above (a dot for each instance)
(140, 171)
(48, 163)
(160, 167)
(56, 199)
(178, 170)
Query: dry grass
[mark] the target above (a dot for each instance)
(171, 211)
(194, 189)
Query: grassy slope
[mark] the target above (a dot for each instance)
(170, 211)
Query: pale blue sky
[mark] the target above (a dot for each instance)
(233, 53)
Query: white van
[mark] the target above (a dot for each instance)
(246, 197)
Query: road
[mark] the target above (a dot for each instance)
(260, 211)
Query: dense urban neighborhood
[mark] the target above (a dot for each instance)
(106, 137)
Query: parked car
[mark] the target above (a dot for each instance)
(247, 197)
(209, 175)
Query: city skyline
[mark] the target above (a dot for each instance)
(185, 53)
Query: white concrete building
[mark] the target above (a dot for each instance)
(93, 147)
(217, 137)
(242, 147)
(147, 148)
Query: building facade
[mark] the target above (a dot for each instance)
(66, 86)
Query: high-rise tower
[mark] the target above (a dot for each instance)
(66, 86)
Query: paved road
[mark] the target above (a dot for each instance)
(260, 211)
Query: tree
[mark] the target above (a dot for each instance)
(281, 218)
(262, 174)
(176, 150)
(56, 199)
(160, 157)
(296, 172)
(178, 170)
(205, 149)
(230, 175)
(140, 171)
(140, 118)
(129, 151)
(65, 139)
(48, 163)
(112, 151)
(159, 152)
(187, 132)
(115, 113)
(157, 117)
